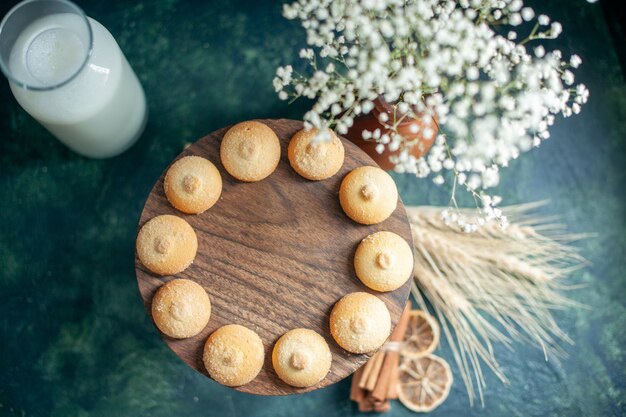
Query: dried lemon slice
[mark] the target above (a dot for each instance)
(422, 335)
(424, 383)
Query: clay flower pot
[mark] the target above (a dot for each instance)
(371, 122)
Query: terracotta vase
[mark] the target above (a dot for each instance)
(371, 122)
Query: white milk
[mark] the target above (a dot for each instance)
(99, 113)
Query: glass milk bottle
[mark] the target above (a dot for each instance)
(66, 70)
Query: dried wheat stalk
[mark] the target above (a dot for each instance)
(493, 285)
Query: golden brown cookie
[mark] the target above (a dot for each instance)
(315, 160)
(233, 355)
(192, 184)
(360, 322)
(383, 261)
(181, 308)
(166, 245)
(301, 358)
(368, 195)
(250, 151)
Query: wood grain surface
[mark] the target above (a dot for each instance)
(274, 255)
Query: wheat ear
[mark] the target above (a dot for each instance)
(494, 285)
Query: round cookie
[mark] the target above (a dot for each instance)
(250, 151)
(360, 322)
(368, 195)
(166, 245)
(383, 261)
(181, 308)
(301, 358)
(192, 184)
(315, 160)
(233, 355)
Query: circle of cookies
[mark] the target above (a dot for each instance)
(360, 322)
(166, 245)
(315, 160)
(301, 358)
(383, 261)
(181, 308)
(192, 184)
(233, 355)
(250, 151)
(368, 195)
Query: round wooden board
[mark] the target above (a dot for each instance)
(274, 255)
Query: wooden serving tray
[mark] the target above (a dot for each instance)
(274, 255)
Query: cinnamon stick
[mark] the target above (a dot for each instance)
(392, 391)
(356, 393)
(382, 406)
(377, 360)
(366, 405)
(380, 390)
(367, 370)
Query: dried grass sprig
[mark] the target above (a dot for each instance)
(494, 285)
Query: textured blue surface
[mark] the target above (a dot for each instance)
(75, 339)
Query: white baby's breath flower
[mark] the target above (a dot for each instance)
(472, 73)
(556, 29)
(367, 106)
(492, 93)
(528, 13)
(307, 53)
(515, 19)
(540, 51)
(543, 20)
(514, 5)
(568, 77)
(490, 177)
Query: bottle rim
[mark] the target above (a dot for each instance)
(75, 9)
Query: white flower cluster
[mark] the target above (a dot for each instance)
(492, 94)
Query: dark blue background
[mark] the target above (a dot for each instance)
(75, 339)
